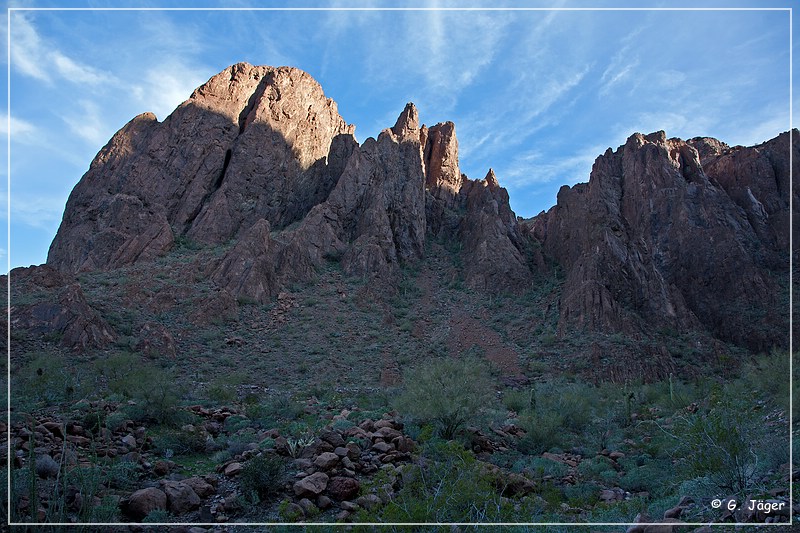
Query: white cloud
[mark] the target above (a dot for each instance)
(39, 211)
(36, 58)
(75, 72)
(623, 65)
(89, 123)
(535, 167)
(168, 85)
(21, 130)
(26, 49)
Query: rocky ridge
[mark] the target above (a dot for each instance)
(667, 235)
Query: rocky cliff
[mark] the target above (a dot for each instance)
(667, 235)
(672, 234)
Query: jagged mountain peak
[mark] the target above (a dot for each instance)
(667, 233)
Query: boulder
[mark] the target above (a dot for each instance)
(314, 484)
(343, 488)
(326, 460)
(181, 498)
(144, 501)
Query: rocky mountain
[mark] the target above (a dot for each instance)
(667, 236)
(676, 234)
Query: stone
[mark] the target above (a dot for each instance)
(46, 467)
(382, 447)
(323, 502)
(129, 441)
(233, 469)
(349, 506)
(326, 460)
(341, 451)
(334, 438)
(181, 498)
(343, 488)
(161, 468)
(369, 501)
(309, 509)
(61, 310)
(387, 433)
(144, 501)
(314, 484)
(200, 486)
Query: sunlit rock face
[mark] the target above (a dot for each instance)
(258, 165)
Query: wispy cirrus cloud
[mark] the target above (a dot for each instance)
(35, 57)
(20, 131)
(165, 86)
(537, 167)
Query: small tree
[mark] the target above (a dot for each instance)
(722, 445)
(447, 392)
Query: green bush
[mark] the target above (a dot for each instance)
(539, 467)
(448, 392)
(451, 486)
(262, 477)
(520, 400)
(597, 469)
(179, 442)
(154, 391)
(45, 380)
(157, 516)
(542, 432)
(724, 445)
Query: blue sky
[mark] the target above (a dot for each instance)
(537, 95)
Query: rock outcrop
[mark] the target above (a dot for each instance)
(667, 235)
(655, 240)
(252, 143)
(54, 306)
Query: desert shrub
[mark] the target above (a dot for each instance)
(582, 494)
(46, 379)
(262, 477)
(769, 375)
(450, 487)
(342, 425)
(448, 392)
(225, 388)
(122, 475)
(115, 421)
(520, 400)
(724, 445)
(575, 403)
(650, 478)
(540, 467)
(597, 468)
(93, 421)
(154, 390)
(157, 516)
(542, 432)
(179, 442)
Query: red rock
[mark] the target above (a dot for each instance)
(144, 501)
(343, 488)
(63, 310)
(181, 498)
(233, 469)
(622, 241)
(314, 484)
(326, 460)
(200, 486)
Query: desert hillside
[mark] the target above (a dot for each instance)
(247, 315)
